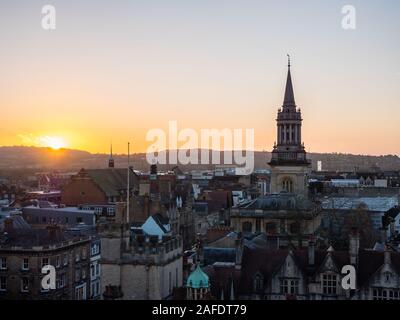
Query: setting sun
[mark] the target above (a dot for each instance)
(52, 142)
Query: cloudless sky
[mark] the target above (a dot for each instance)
(112, 70)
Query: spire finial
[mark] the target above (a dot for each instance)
(288, 56)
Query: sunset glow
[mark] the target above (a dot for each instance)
(55, 143)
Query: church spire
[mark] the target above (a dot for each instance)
(289, 95)
(111, 159)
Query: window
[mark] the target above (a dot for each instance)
(79, 220)
(270, 228)
(387, 276)
(110, 211)
(25, 264)
(84, 253)
(3, 283)
(385, 294)
(95, 249)
(287, 185)
(24, 284)
(77, 275)
(65, 259)
(258, 283)
(258, 225)
(329, 283)
(66, 220)
(98, 269)
(83, 273)
(77, 256)
(63, 280)
(92, 271)
(58, 261)
(3, 263)
(80, 293)
(45, 262)
(44, 219)
(289, 286)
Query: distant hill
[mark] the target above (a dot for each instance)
(67, 159)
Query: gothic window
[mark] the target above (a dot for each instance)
(329, 283)
(387, 276)
(289, 286)
(258, 282)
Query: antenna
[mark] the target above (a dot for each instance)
(288, 55)
(127, 189)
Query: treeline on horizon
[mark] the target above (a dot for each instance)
(36, 158)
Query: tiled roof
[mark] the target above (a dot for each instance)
(112, 180)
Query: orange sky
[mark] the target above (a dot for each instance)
(113, 73)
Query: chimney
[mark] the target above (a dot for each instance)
(311, 252)
(387, 256)
(383, 235)
(146, 205)
(238, 251)
(354, 246)
(8, 225)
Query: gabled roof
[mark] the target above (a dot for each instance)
(112, 180)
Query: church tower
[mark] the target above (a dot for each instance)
(111, 159)
(289, 164)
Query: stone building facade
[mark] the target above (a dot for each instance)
(138, 267)
(23, 253)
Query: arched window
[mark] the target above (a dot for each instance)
(287, 185)
(258, 282)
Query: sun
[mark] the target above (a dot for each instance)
(53, 142)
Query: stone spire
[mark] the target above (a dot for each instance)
(289, 95)
(111, 159)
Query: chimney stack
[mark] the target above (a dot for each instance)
(238, 251)
(387, 256)
(354, 246)
(383, 234)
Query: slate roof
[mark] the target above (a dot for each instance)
(28, 238)
(281, 201)
(212, 255)
(379, 204)
(267, 262)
